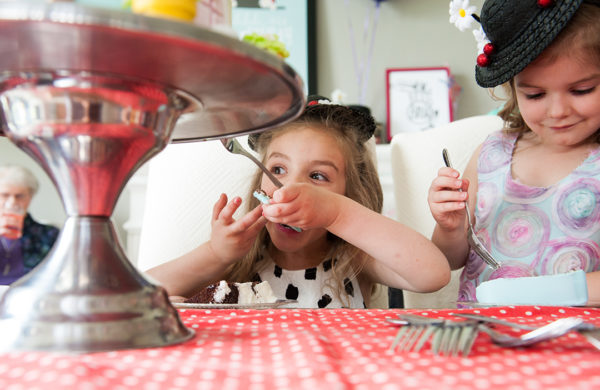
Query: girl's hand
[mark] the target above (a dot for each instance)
(302, 205)
(446, 201)
(230, 240)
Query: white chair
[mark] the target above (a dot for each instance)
(184, 182)
(416, 158)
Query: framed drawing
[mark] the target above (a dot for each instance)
(294, 23)
(417, 99)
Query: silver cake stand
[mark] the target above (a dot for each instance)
(91, 95)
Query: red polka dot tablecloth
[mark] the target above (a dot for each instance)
(316, 349)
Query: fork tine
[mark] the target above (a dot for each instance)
(437, 339)
(430, 329)
(416, 336)
(413, 332)
(445, 339)
(452, 348)
(471, 335)
(399, 336)
(464, 338)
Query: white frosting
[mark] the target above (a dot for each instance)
(221, 291)
(247, 295)
(264, 293)
(568, 289)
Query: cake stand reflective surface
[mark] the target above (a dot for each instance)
(91, 95)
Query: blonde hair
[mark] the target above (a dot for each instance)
(362, 186)
(19, 176)
(580, 35)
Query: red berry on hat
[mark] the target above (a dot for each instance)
(313, 103)
(489, 48)
(483, 60)
(545, 3)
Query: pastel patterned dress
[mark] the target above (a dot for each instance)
(532, 231)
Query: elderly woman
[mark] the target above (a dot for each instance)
(23, 242)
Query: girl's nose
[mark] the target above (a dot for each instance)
(296, 177)
(558, 107)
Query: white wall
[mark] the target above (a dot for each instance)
(410, 33)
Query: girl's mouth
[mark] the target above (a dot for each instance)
(287, 228)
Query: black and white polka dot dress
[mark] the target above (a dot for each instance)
(311, 287)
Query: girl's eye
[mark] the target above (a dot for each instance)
(583, 91)
(318, 176)
(534, 96)
(277, 170)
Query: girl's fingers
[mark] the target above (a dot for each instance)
(229, 209)
(248, 220)
(449, 172)
(448, 196)
(286, 194)
(445, 182)
(219, 206)
(451, 206)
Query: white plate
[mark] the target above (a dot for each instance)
(276, 304)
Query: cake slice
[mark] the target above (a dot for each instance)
(235, 293)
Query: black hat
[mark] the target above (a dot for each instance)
(518, 31)
(357, 118)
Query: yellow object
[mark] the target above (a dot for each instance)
(175, 9)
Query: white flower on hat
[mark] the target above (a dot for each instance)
(460, 14)
(338, 96)
(481, 39)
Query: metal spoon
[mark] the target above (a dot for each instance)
(472, 238)
(233, 146)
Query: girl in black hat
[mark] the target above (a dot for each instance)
(535, 185)
(332, 193)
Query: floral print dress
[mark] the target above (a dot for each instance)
(532, 231)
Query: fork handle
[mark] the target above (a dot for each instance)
(265, 170)
(448, 163)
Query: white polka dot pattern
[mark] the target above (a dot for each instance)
(314, 349)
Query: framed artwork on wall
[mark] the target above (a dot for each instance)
(417, 99)
(294, 23)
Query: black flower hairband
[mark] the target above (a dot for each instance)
(320, 108)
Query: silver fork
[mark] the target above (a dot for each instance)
(472, 238)
(233, 146)
(448, 337)
(549, 331)
(587, 330)
(493, 320)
